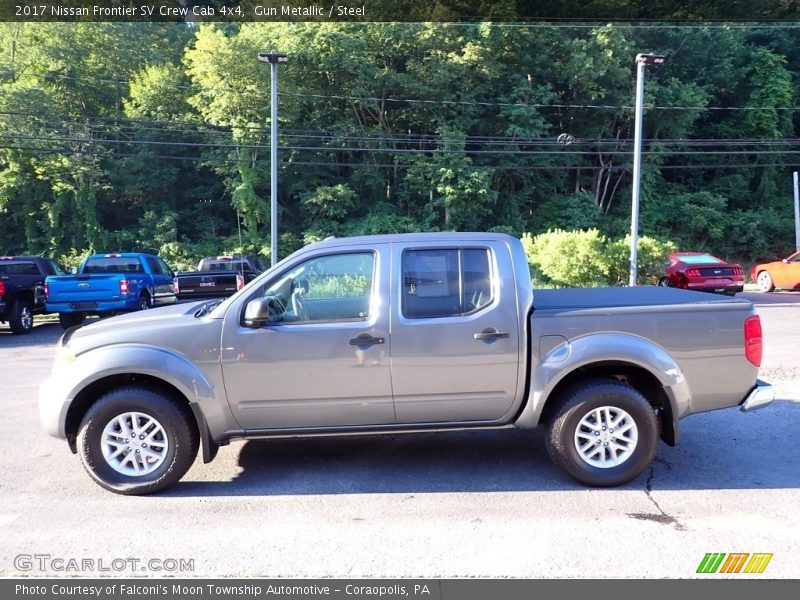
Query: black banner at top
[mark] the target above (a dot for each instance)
(400, 10)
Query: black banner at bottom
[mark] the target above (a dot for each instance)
(384, 589)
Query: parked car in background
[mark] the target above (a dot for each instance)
(22, 289)
(110, 283)
(783, 274)
(217, 277)
(703, 273)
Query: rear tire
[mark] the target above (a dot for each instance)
(581, 438)
(137, 441)
(144, 302)
(665, 282)
(765, 283)
(68, 320)
(21, 322)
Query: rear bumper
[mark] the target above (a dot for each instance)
(709, 286)
(760, 396)
(92, 307)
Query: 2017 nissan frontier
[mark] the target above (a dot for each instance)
(401, 333)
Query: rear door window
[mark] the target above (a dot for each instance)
(446, 282)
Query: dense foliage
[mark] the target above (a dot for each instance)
(156, 136)
(588, 258)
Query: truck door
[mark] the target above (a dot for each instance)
(455, 340)
(323, 359)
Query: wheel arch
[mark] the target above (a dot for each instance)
(639, 362)
(87, 396)
(98, 371)
(635, 376)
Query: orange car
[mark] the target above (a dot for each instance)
(783, 274)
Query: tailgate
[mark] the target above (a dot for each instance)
(207, 283)
(83, 288)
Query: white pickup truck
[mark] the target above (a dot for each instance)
(401, 333)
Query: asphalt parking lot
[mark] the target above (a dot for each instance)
(469, 504)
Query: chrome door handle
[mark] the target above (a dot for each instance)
(491, 335)
(366, 340)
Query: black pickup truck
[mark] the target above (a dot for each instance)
(217, 277)
(22, 290)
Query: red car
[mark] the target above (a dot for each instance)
(779, 274)
(702, 272)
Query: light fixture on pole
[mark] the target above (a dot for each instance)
(642, 60)
(274, 59)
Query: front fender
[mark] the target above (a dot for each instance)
(206, 400)
(596, 349)
(142, 359)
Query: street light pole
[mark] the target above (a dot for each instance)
(641, 61)
(273, 59)
(797, 211)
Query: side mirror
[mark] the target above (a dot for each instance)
(74, 270)
(258, 312)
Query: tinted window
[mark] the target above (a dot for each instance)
(119, 264)
(165, 268)
(55, 268)
(18, 268)
(445, 282)
(698, 259)
(152, 263)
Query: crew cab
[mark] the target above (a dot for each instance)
(22, 289)
(217, 277)
(107, 284)
(402, 333)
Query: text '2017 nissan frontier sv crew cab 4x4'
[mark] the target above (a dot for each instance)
(401, 333)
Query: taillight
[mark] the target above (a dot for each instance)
(2, 288)
(753, 345)
(693, 272)
(46, 291)
(239, 281)
(123, 287)
(738, 271)
(176, 286)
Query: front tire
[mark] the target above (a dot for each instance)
(21, 321)
(137, 441)
(603, 433)
(765, 283)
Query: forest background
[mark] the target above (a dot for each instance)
(155, 136)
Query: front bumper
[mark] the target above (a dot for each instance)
(53, 407)
(760, 396)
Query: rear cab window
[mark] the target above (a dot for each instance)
(113, 264)
(18, 267)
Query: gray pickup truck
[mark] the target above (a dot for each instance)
(402, 333)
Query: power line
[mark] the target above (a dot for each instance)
(352, 149)
(420, 138)
(584, 106)
(290, 162)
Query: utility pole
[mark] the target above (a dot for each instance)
(273, 58)
(797, 211)
(641, 61)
